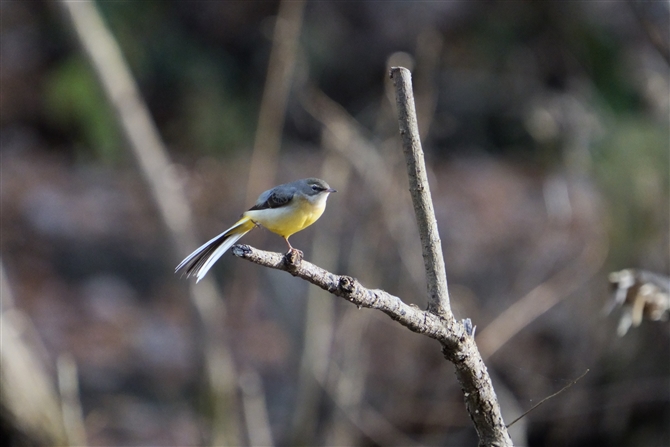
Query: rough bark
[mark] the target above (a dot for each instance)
(457, 341)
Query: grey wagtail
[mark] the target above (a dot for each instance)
(284, 210)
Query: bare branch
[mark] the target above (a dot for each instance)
(436, 275)
(458, 345)
(480, 398)
(350, 289)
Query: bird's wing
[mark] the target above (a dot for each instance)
(274, 199)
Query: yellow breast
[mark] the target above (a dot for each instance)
(285, 221)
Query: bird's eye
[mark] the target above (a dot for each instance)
(316, 188)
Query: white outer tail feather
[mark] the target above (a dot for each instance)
(229, 242)
(218, 253)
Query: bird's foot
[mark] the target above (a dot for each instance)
(293, 256)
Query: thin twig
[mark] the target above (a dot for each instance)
(68, 388)
(29, 401)
(281, 65)
(542, 298)
(319, 322)
(657, 36)
(547, 398)
(151, 156)
(255, 409)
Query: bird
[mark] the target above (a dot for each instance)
(284, 210)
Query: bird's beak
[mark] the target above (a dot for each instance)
(331, 190)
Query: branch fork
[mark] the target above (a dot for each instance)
(437, 321)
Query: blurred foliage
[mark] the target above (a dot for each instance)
(73, 100)
(548, 128)
(219, 119)
(200, 92)
(631, 165)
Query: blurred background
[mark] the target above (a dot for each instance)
(546, 132)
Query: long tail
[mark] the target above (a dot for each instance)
(201, 260)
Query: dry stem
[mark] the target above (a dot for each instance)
(431, 246)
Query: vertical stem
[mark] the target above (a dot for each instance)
(431, 246)
(281, 65)
(480, 397)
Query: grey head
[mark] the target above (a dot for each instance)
(313, 186)
(281, 195)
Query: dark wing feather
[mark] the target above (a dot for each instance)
(274, 200)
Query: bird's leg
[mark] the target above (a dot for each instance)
(293, 251)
